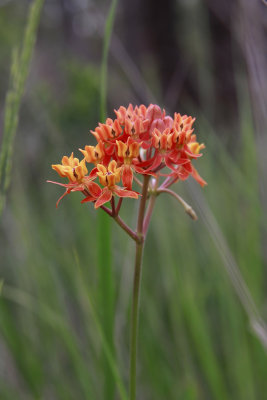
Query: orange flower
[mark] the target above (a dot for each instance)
(134, 121)
(128, 155)
(94, 154)
(76, 171)
(108, 131)
(130, 113)
(108, 177)
(194, 146)
(162, 141)
(140, 140)
(71, 168)
(127, 151)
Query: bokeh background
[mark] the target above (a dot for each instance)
(203, 303)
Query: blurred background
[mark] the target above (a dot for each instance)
(204, 283)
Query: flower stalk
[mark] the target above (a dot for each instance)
(135, 317)
(188, 209)
(136, 288)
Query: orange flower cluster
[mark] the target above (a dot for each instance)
(141, 140)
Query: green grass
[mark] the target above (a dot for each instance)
(19, 72)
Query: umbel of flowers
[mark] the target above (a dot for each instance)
(141, 145)
(139, 141)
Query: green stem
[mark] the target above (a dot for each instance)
(135, 318)
(136, 289)
(103, 72)
(150, 208)
(142, 206)
(188, 209)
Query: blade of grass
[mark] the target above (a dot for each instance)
(19, 72)
(187, 296)
(104, 228)
(231, 266)
(56, 322)
(88, 304)
(104, 64)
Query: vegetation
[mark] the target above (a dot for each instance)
(203, 289)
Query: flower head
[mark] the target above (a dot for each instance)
(139, 141)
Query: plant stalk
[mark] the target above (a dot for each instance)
(135, 318)
(136, 289)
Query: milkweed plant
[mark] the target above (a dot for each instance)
(142, 148)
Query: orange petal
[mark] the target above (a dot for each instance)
(101, 169)
(121, 148)
(112, 166)
(60, 169)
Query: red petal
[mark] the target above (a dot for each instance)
(78, 188)
(61, 197)
(183, 174)
(168, 163)
(198, 178)
(143, 171)
(127, 176)
(181, 161)
(93, 173)
(125, 193)
(146, 145)
(178, 158)
(88, 198)
(156, 162)
(94, 189)
(66, 185)
(146, 162)
(104, 198)
(187, 166)
(190, 154)
(110, 149)
(144, 136)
